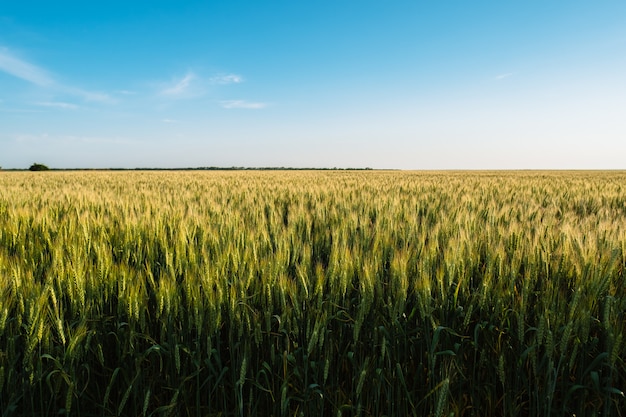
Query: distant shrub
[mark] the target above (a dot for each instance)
(38, 167)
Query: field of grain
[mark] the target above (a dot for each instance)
(315, 293)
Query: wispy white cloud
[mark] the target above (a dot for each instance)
(181, 87)
(94, 96)
(4, 110)
(13, 65)
(227, 79)
(19, 68)
(193, 85)
(57, 104)
(242, 104)
(169, 121)
(34, 138)
(503, 76)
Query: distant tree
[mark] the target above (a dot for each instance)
(38, 167)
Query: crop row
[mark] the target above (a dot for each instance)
(313, 293)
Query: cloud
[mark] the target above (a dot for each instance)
(3, 110)
(242, 104)
(191, 85)
(41, 138)
(169, 121)
(91, 95)
(57, 104)
(24, 70)
(179, 88)
(503, 76)
(227, 79)
(19, 68)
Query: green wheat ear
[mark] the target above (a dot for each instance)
(167, 293)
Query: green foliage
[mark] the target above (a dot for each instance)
(38, 167)
(313, 293)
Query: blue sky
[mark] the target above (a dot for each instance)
(393, 84)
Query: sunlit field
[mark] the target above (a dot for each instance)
(312, 293)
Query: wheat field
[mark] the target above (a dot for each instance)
(312, 293)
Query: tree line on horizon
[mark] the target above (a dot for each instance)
(42, 167)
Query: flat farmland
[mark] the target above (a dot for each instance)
(313, 293)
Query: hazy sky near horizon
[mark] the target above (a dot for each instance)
(342, 83)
